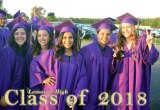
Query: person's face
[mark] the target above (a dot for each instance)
(127, 29)
(36, 12)
(43, 37)
(103, 36)
(24, 17)
(20, 36)
(67, 40)
(2, 21)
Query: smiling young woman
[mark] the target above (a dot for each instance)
(14, 66)
(44, 40)
(133, 72)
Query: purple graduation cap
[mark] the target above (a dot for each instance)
(11, 25)
(104, 24)
(18, 13)
(19, 25)
(44, 22)
(111, 19)
(3, 14)
(44, 25)
(128, 18)
(66, 26)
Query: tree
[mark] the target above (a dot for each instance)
(51, 17)
(1, 2)
(39, 11)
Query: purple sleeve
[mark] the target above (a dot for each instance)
(6, 73)
(41, 68)
(82, 78)
(37, 74)
(153, 55)
(148, 57)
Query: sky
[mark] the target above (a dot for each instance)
(88, 8)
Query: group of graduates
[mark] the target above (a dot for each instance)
(111, 63)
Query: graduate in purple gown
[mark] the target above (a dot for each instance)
(62, 69)
(44, 38)
(14, 66)
(113, 37)
(21, 14)
(98, 61)
(4, 31)
(35, 18)
(43, 42)
(133, 72)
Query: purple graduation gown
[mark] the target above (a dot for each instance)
(4, 36)
(34, 21)
(13, 75)
(134, 76)
(42, 67)
(113, 39)
(70, 76)
(98, 67)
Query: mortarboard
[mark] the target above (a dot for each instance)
(19, 25)
(18, 20)
(111, 19)
(66, 26)
(104, 24)
(44, 25)
(48, 29)
(17, 14)
(3, 14)
(128, 18)
(44, 22)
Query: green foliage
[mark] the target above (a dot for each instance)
(51, 17)
(9, 16)
(76, 20)
(0, 4)
(153, 22)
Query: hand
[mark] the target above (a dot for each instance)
(50, 81)
(3, 103)
(149, 39)
(115, 53)
(118, 54)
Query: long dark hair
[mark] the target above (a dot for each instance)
(121, 40)
(19, 50)
(60, 50)
(37, 47)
